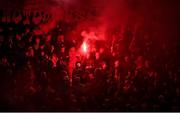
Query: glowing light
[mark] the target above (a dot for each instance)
(84, 47)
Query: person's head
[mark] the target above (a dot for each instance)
(60, 38)
(93, 49)
(30, 52)
(52, 48)
(78, 58)
(116, 63)
(54, 55)
(139, 61)
(74, 41)
(126, 58)
(27, 30)
(104, 65)
(36, 18)
(18, 37)
(30, 39)
(78, 64)
(29, 64)
(140, 58)
(4, 60)
(147, 64)
(54, 59)
(62, 49)
(88, 56)
(72, 50)
(101, 50)
(26, 21)
(97, 55)
(48, 38)
(17, 17)
(37, 41)
(42, 53)
(114, 53)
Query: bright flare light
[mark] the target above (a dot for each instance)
(84, 47)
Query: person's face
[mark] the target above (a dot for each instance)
(101, 50)
(61, 38)
(52, 48)
(26, 21)
(74, 41)
(116, 64)
(140, 58)
(42, 53)
(30, 39)
(72, 49)
(4, 60)
(93, 49)
(104, 66)
(97, 56)
(146, 63)
(37, 40)
(88, 56)
(27, 30)
(54, 58)
(31, 52)
(48, 38)
(62, 49)
(78, 65)
(113, 54)
(18, 18)
(18, 37)
(126, 58)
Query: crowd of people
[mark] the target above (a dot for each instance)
(47, 73)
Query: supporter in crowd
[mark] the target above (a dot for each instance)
(104, 79)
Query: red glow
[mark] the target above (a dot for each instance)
(84, 47)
